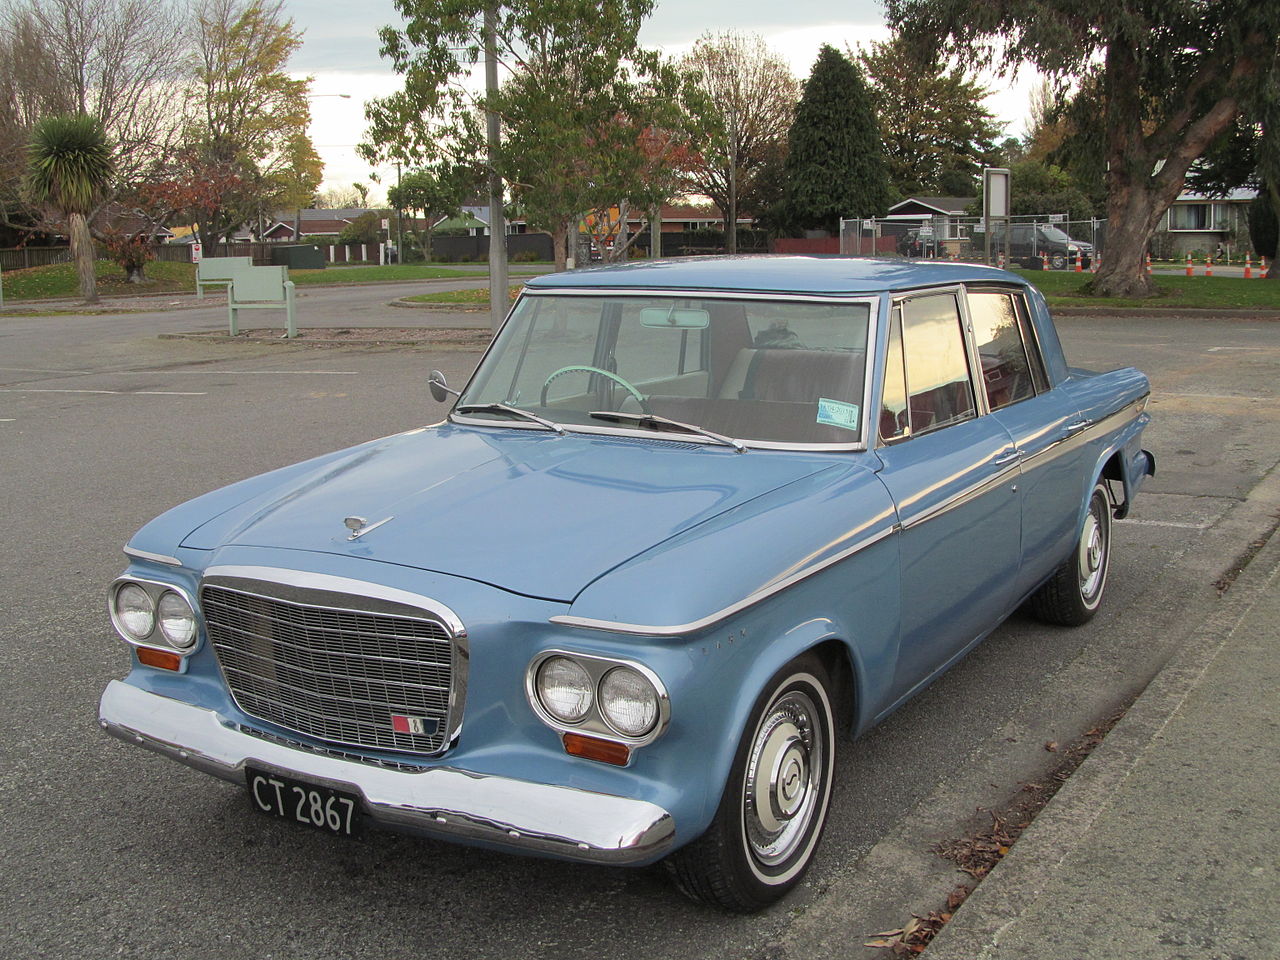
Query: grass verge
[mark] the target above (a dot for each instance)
(470, 298)
(59, 280)
(1066, 289)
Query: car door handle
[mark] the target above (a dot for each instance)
(1074, 428)
(1004, 458)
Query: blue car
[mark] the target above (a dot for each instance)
(688, 526)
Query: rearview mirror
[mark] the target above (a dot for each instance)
(678, 319)
(439, 386)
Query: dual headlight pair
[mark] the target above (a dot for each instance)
(140, 611)
(593, 693)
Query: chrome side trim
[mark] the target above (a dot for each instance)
(446, 802)
(681, 629)
(154, 557)
(964, 496)
(1072, 441)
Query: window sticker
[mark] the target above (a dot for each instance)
(837, 413)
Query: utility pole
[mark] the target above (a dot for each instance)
(497, 220)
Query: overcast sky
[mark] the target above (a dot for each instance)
(340, 50)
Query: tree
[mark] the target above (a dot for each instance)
(1248, 155)
(70, 164)
(250, 117)
(751, 99)
(119, 61)
(577, 80)
(835, 164)
(937, 134)
(1170, 78)
(336, 198)
(433, 193)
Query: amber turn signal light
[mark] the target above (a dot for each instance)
(162, 659)
(593, 748)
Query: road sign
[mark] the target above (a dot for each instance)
(195, 253)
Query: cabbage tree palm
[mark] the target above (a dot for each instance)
(69, 164)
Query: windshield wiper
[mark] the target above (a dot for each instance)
(507, 408)
(660, 421)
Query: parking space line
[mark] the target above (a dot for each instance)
(1168, 523)
(332, 373)
(124, 393)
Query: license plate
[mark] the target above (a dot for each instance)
(325, 808)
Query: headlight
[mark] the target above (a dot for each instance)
(135, 612)
(628, 701)
(177, 620)
(564, 689)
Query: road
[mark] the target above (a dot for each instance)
(113, 852)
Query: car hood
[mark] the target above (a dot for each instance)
(532, 512)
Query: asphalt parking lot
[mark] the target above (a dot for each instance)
(113, 852)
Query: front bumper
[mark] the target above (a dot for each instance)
(446, 802)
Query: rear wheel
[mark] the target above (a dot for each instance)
(775, 803)
(1073, 594)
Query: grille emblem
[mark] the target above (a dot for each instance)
(424, 726)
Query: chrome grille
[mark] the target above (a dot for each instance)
(334, 671)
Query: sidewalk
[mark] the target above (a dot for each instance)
(1166, 842)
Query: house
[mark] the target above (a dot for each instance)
(1196, 223)
(311, 223)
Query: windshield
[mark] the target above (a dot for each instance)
(767, 370)
(1054, 235)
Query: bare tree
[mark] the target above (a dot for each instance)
(119, 61)
(752, 99)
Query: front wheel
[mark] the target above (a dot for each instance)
(1073, 594)
(775, 803)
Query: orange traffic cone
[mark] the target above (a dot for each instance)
(1148, 264)
(1208, 267)
(1044, 261)
(1000, 261)
(1079, 262)
(1262, 268)
(1190, 270)
(1248, 266)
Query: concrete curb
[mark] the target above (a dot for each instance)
(1004, 897)
(1165, 313)
(479, 341)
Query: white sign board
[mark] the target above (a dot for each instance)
(995, 192)
(195, 253)
(1057, 218)
(386, 224)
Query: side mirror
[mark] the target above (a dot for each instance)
(439, 386)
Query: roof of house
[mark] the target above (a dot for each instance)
(926, 206)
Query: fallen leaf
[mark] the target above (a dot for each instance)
(1052, 746)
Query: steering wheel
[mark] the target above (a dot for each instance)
(582, 368)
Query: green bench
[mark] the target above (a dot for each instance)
(217, 271)
(261, 288)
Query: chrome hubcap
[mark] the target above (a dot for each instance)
(781, 790)
(1093, 552)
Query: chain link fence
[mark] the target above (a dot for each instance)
(1050, 241)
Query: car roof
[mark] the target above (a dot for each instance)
(787, 274)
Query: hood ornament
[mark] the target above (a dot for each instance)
(359, 526)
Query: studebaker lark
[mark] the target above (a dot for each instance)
(688, 525)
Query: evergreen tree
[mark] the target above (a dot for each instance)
(835, 164)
